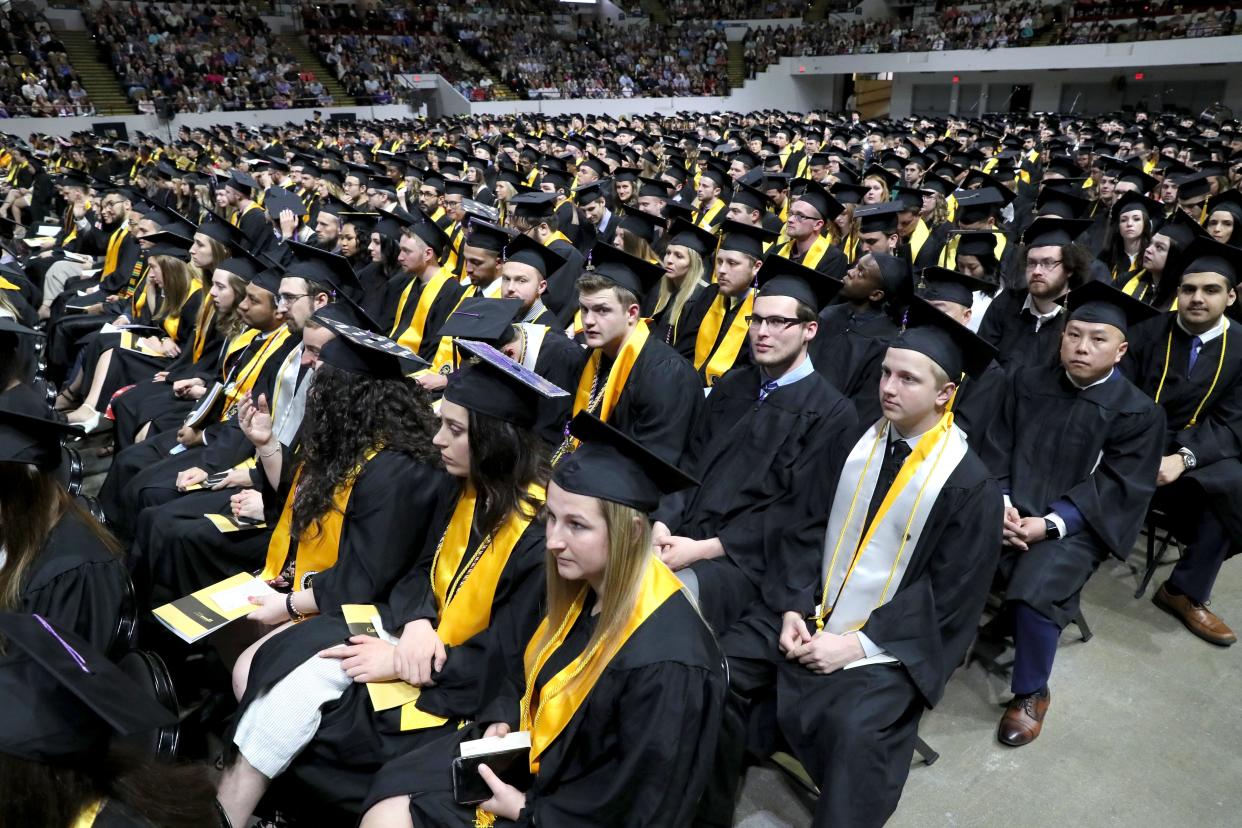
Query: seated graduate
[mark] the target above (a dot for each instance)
(862, 624)
(628, 379)
(63, 705)
(535, 215)
(687, 276)
(1024, 324)
(524, 275)
(623, 681)
(954, 294)
(720, 314)
(1163, 261)
(18, 349)
(761, 426)
(1187, 363)
(976, 257)
(806, 228)
(55, 559)
(430, 291)
(464, 611)
(1074, 499)
(854, 332)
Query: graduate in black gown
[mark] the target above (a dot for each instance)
(62, 705)
(464, 611)
(628, 379)
(430, 292)
(1191, 365)
(754, 444)
(534, 215)
(863, 624)
(677, 307)
(1074, 500)
(57, 560)
(625, 737)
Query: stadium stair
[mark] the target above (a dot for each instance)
(97, 77)
(308, 61)
(656, 11)
(737, 64)
(501, 92)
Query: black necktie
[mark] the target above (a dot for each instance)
(894, 457)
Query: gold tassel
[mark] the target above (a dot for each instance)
(483, 819)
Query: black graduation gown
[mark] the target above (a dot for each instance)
(1216, 439)
(749, 455)
(258, 232)
(978, 400)
(929, 253)
(439, 311)
(354, 741)
(848, 350)
(699, 309)
(1103, 461)
(637, 752)
(561, 297)
(1011, 329)
(560, 363)
(76, 583)
(687, 328)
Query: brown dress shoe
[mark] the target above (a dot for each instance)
(1197, 617)
(1023, 719)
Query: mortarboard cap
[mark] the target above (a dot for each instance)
(878, 218)
(525, 250)
(685, 234)
(591, 192)
(242, 183)
(323, 266)
(492, 384)
(640, 223)
(944, 340)
(1054, 232)
(780, 276)
(630, 272)
(938, 284)
(487, 236)
(28, 438)
(744, 238)
(367, 354)
(1205, 255)
(482, 318)
(1097, 301)
(533, 205)
(818, 197)
(223, 232)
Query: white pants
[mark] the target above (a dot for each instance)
(58, 275)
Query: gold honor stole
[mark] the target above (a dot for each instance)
(71, 226)
(860, 569)
(412, 336)
(444, 361)
(113, 251)
(172, 322)
(818, 248)
(464, 595)
(236, 218)
(712, 360)
(704, 220)
(1138, 286)
(89, 814)
(200, 333)
(248, 374)
(565, 692)
(452, 254)
(5, 284)
(617, 376)
(948, 256)
(917, 239)
(316, 552)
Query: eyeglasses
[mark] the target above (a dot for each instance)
(289, 298)
(1042, 264)
(801, 216)
(776, 323)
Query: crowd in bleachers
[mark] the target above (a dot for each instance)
(199, 58)
(36, 78)
(735, 9)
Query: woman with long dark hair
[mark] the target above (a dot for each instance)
(384, 246)
(622, 683)
(56, 559)
(483, 561)
(1129, 234)
(1163, 257)
(1224, 218)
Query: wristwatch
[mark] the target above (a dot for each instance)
(1188, 458)
(1051, 530)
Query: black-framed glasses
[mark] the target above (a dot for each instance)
(1043, 264)
(777, 323)
(289, 298)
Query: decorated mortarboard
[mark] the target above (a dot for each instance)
(610, 465)
(642, 224)
(939, 284)
(1054, 232)
(822, 201)
(27, 438)
(630, 272)
(878, 218)
(491, 383)
(744, 238)
(367, 354)
(1206, 255)
(1097, 301)
(684, 234)
(591, 192)
(781, 276)
(944, 340)
(487, 236)
(61, 700)
(482, 318)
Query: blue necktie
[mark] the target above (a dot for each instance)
(767, 388)
(1195, 345)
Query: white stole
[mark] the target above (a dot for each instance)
(288, 402)
(534, 342)
(861, 572)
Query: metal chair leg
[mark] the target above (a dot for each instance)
(925, 751)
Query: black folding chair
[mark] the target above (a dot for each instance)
(149, 671)
(1159, 539)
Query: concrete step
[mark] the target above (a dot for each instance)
(97, 77)
(308, 61)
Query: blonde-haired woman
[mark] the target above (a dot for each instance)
(685, 275)
(623, 683)
(174, 289)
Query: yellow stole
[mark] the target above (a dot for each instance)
(236, 218)
(704, 220)
(602, 403)
(172, 322)
(557, 236)
(444, 363)
(71, 225)
(89, 814)
(412, 336)
(818, 248)
(1138, 286)
(548, 716)
(712, 360)
(319, 552)
(248, 373)
(464, 595)
(918, 238)
(5, 284)
(948, 256)
(113, 251)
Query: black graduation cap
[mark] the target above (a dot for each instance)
(269, 279)
(896, 277)
(591, 192)
(744, 238)
(611, 466)
(596, 166)
(1054, 232)
(1194, 186)
(360, 171)
(936, 184)
(277, 199)
(887, 176)
(818, 197)
(242, 182)
(390, 224)
(673, 210)
(491, 383)
(717, 173)
(482, 318)
(324, 267)
(242, 264)
(11, 327)
(848, 193)
(944, 340)
(652, 188)
(1131, 174)
(462, 188)
(1229, 201)
(910, 200)
(878, 218)
(168, 240)
(74, 178)
(525, 250)
(980, 243)
(1130, 201)
(560, 179)
(431, 234)
(630, 272)
(62, 700)
(345, 313)
(1097, 301)
(640, 223)
(27, 438)
(1061, 203)
(367, 354)
(781, 276)
(1182, 229)
(751, 197)
(941, 284)
(1206, 255)
(685, 234)
(533, 205)
(223, 232)
(487, 236)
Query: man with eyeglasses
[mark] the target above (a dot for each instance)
(455, 195)
(112, 240)
(806, 227)
(1024, 324)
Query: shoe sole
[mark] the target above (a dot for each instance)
(1155, 599)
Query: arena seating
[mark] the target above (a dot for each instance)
(36, 78)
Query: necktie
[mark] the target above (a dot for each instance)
(1196, 344)
(767, 388)
(894, 457)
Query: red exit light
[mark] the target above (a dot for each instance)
(956, 79)
(1139, 76)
